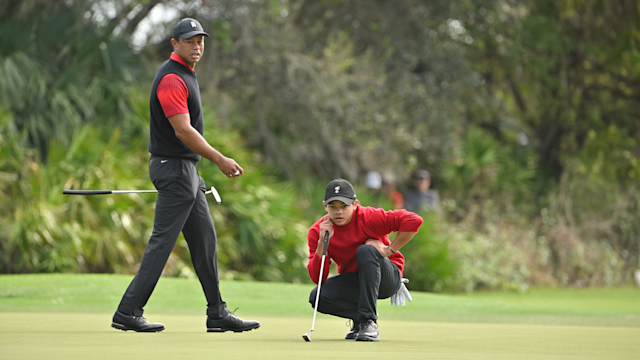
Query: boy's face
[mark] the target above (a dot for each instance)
(339, 212)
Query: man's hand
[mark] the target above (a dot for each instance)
(229, 167)
(181, 124)
(398, 297)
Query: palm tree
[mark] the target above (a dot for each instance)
(59, 68)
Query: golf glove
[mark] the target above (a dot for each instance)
(401, 294)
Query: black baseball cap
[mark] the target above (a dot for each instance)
(422, 174)
(188, 28)
(339, 189)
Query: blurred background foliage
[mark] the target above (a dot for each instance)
(525, 113)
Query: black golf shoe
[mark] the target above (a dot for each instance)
(231, 323)
(368, 331)
(136, 323)
(353, 333)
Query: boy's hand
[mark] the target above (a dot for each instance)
(383, 249)
(325, 226)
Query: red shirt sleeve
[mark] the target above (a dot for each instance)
(172, 93)
(380, 223)
(384, 222)
(315, 261)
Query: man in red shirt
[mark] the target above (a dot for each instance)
(369, 265)
(176, 144)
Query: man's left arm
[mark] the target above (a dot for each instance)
(181, 124)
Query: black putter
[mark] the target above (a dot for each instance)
(213, 191)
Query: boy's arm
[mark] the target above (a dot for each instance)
(315, 260)
(382, 222)
(401, 240)
(404, 222)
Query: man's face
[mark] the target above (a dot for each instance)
(423, 184)
(190, 50)
(339, 212)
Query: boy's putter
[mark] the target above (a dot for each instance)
(307, 336)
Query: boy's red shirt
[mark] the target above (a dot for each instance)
(366, 223)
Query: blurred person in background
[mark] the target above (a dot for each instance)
(396, 197)
(383, 188)
(421, 197)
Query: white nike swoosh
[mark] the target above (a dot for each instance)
(163, 161)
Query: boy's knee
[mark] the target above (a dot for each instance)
(365, 252)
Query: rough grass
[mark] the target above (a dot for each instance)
(68, 317)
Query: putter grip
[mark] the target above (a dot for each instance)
(326, 244)
(86, 192)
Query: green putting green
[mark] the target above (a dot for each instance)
(68, 317)
(88, 336)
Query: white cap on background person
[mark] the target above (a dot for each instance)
(373, 180)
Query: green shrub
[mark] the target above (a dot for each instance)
(429, 265)
(258, 223)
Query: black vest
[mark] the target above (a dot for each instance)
(162, 138)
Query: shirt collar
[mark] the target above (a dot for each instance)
(176, 57)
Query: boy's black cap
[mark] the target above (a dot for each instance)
(188, 28)
(339, 189)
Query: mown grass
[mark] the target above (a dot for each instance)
(91, 293)
(68, 317)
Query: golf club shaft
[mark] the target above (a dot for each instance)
(324, 253)
(105, 192)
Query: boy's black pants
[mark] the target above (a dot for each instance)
(354, 295)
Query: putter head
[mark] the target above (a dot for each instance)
(215, 194)
(306, 337)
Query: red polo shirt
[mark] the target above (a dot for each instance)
(366, 223)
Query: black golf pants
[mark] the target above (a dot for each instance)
(354, 295)
(181, 206)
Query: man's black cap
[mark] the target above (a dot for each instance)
(422, 175)
(339, 189)
(188, 28)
